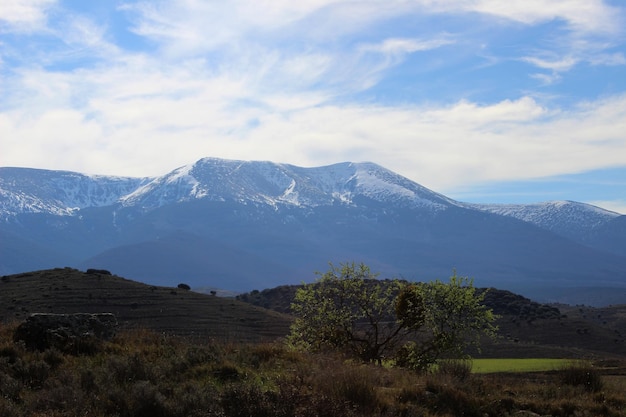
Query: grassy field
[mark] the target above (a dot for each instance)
(486, 366)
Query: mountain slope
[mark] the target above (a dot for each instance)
(280, 184)
(611, 236)
(240, 225)
(577, 221)
(137, 305)
(25, 190)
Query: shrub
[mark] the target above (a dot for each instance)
(146, 400)
(226, 372)
(583, 375)
(448, 398)
(352, 384)
(93, 271)
(7, 408)
(459, 369)
(32, 373)
(53, 357)
(9, 387)
(122, 369)
(142, 373)
(244, 401)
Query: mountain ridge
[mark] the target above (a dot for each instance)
(281, 184)
(336, 183)
(282, 222)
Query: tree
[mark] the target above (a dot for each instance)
(348, 309)
(446, 317)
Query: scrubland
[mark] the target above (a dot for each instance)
(147, 373)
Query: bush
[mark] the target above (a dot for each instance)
(32, 373)
(9, 387)
(142, 373)
(7, 408)
(351, 384)
(93, 271)
(447, 398)
(459, 369)
(583, 375)
(244, 401)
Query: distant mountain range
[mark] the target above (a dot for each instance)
(240, 225)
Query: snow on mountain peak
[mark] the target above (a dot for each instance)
(25, 190)
(274, 184)
(559, 216)
(261, 182)
(381, 184)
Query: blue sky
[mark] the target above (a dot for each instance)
(481, 100)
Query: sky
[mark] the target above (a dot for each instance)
(491, 101)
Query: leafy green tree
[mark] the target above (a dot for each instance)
(348, 309)
(446, 317)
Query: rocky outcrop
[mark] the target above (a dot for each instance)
(74, 333)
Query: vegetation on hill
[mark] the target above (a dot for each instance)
(163, 309)
(348, 310)
(502, 302)
(180, 353)
(143, 373)
(527, 328)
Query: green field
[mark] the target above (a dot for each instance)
(485, 366)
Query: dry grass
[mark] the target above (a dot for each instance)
(136, 305)
(144, 373)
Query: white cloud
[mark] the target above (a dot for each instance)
(397, 46)
(140, 118)
(581, 15)
(608, 59)
(24, 15)
(618, 206)
(560, 64)
(226, 81)
(196, 25)
(309, 32)
(547, 79)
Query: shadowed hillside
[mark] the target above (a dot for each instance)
(527, 328)
(136, 305)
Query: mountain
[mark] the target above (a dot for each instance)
(580, 222)
(240, 225)
(25, 190)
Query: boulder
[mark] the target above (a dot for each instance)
(67, 332)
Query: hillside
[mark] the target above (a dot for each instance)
(136, 305)
(527, 328)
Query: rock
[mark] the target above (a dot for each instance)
(527, 413)
(67, 332)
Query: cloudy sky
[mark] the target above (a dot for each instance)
(482, 100)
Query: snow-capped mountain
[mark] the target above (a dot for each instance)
(282, 185)
(571, 219)
(247, 224)
(25, 190)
